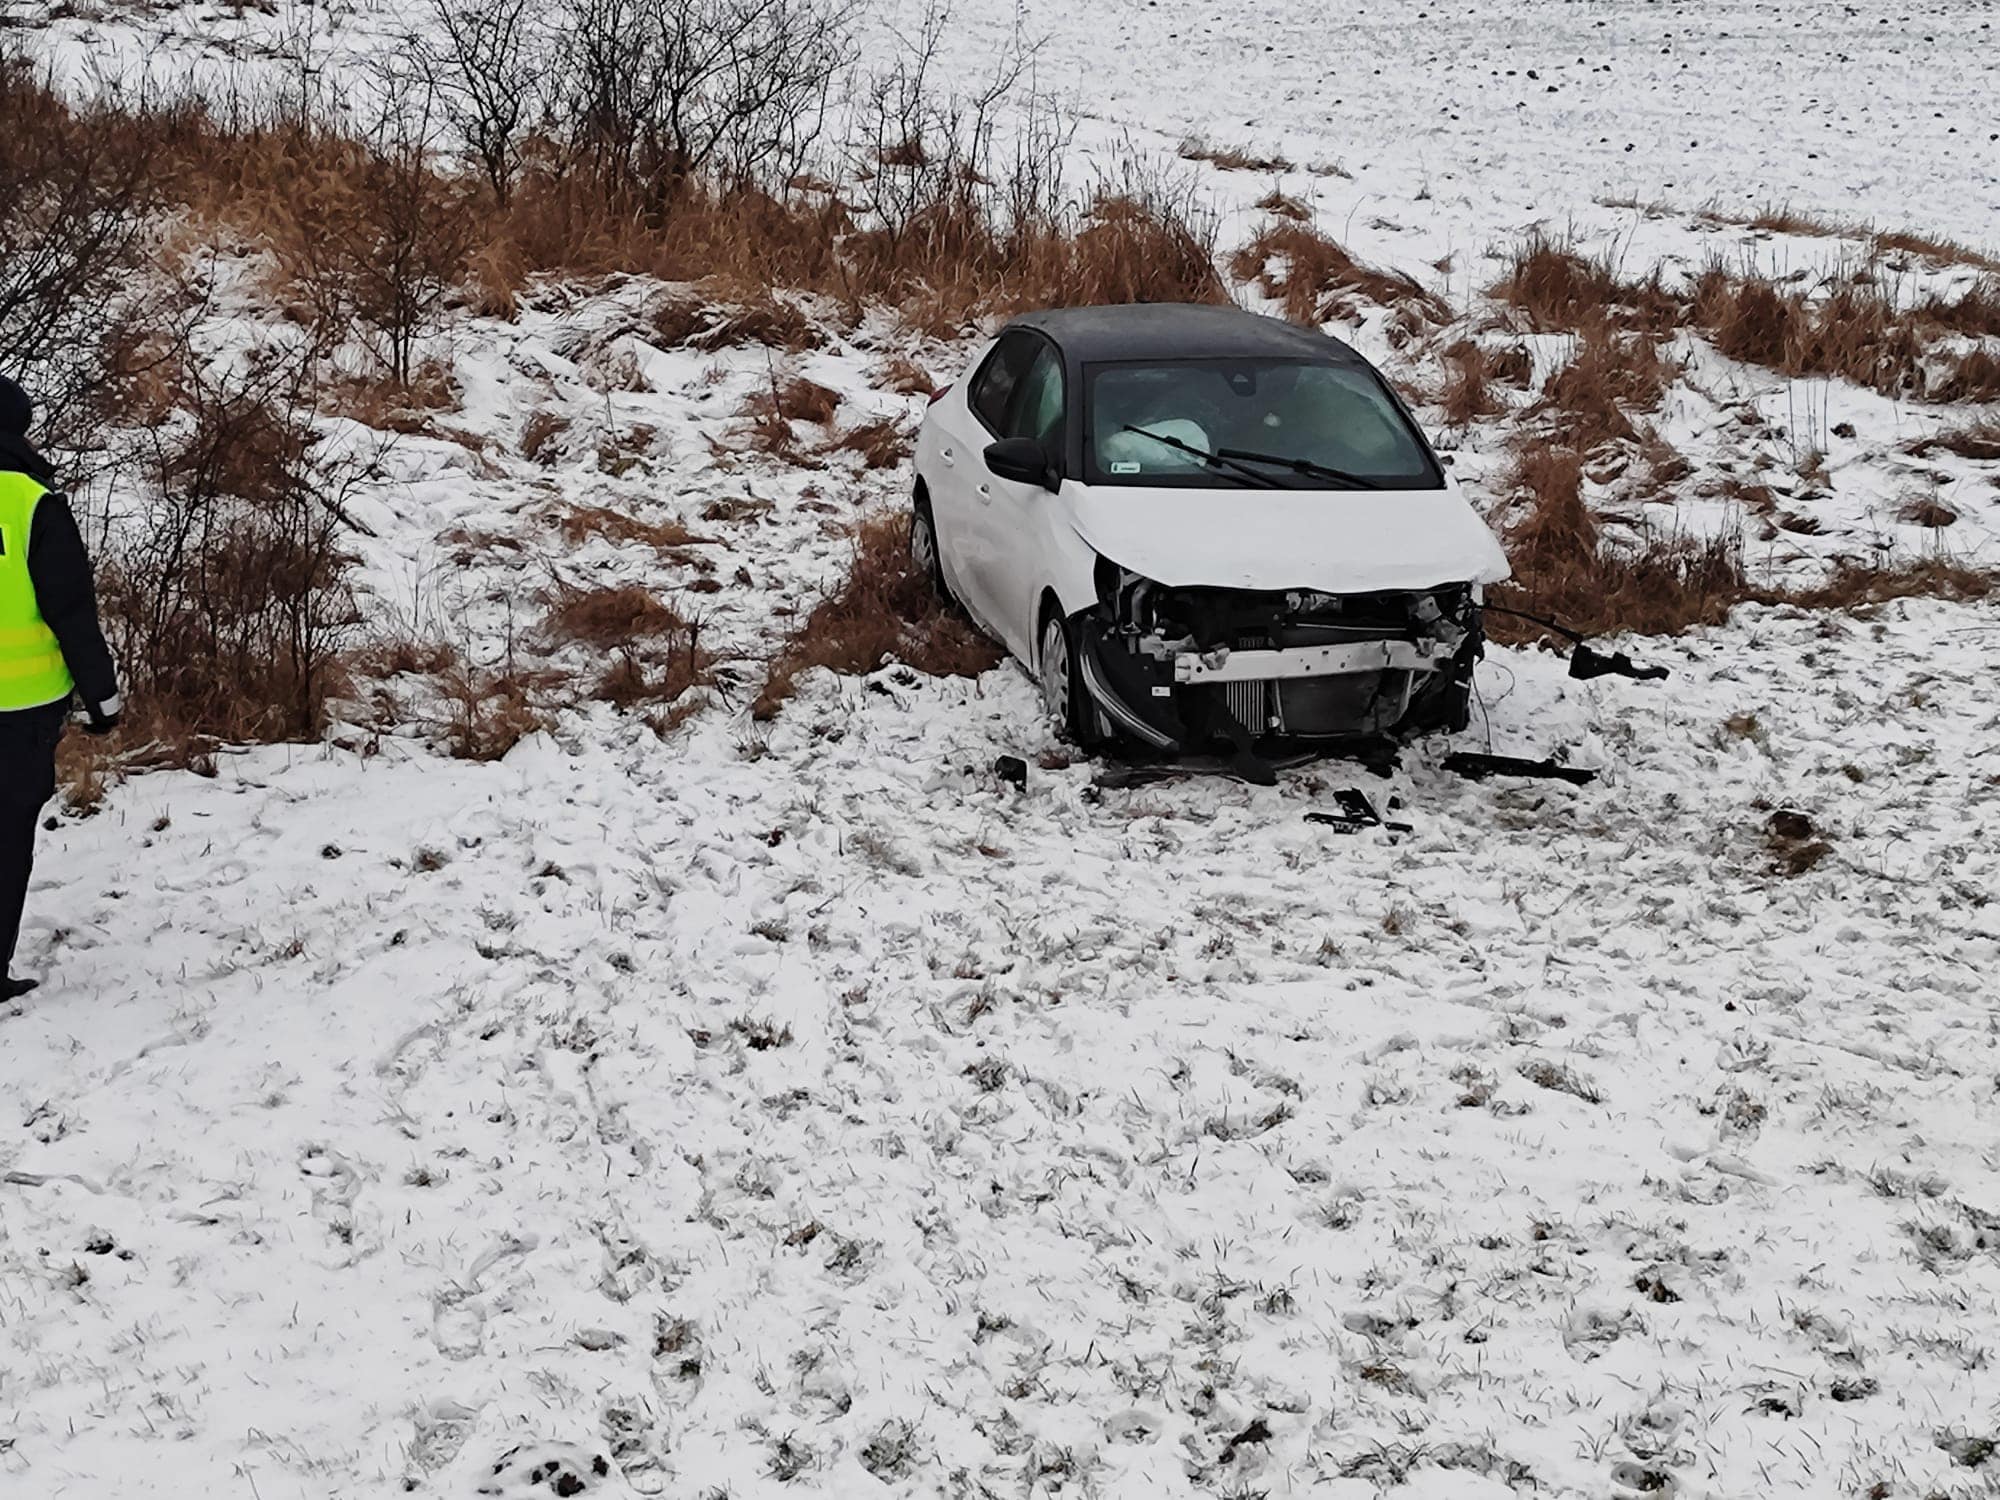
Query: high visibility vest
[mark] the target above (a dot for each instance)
(32, 670)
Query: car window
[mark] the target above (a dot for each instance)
(1038, 402)
(1338, 416)
(992, 389)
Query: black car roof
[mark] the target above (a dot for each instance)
(1179, 330)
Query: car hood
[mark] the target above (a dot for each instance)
(1333, 541)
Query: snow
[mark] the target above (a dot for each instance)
(714, 1108)
(798, 1108)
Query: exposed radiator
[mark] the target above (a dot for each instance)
(1250, 702)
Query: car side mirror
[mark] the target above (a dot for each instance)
(1022, 461)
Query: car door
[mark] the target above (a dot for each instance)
(1011, 518)
(969, 418)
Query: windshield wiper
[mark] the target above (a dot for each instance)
(1301, 466)
(1221, 461)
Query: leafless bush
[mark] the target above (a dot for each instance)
(391, 242)
(226, 595)
(486, 63)
(661, 93)
(80, 185)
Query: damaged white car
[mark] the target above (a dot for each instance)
(1202, 529)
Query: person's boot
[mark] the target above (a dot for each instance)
(13, 989)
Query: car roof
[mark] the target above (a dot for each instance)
(1179, 330)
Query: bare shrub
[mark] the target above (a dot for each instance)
(381, 249)
(883, 608)
(1315, 277)
(659, 94)
(227, 595)
(80, 184)
(485, 61)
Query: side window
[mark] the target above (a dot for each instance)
(993, 387)
(1038, 403)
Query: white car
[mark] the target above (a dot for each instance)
(1200, 528)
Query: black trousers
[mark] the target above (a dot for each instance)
(28, 739)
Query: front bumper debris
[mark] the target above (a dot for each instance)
(1255, 665)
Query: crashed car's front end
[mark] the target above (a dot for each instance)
(1188, 668)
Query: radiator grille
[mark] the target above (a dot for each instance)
(1250, 702)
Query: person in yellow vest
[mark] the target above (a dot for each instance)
(51, 651)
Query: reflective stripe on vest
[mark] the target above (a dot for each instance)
(32, 670)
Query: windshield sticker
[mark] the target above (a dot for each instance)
(1125, 466)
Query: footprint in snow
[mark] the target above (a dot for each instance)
(534, 1471)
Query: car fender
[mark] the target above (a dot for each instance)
(1069, 564)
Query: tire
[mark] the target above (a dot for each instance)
(924, 555)
(1065, 699)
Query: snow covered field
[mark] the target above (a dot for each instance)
(798, 1109)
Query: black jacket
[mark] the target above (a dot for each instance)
(65, 588)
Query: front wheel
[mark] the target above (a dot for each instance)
(1065, 699)
(924, 556)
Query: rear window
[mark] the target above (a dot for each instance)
(1338, 416)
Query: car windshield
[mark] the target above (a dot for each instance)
(1290, 423)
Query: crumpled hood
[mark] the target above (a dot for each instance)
(1334, 541)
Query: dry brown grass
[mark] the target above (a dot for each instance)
(881, 444)
(1854, 332)
(1555, 290)
(542, 434)
(1284, 206)
(608, 617)
(1609, 378)
(905, 376)
(1978, 440)
(582, 522)
(1917, 244)
(489, 712)
(390, 405)
(1566, 569)
(1852, 585)
(1974, 312)
(1466, 393)
(1971, 376)
(882, 609)
(1316, 279)
(1926, 510)
(1232, 158)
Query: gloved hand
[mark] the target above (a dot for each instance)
(102, 718)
